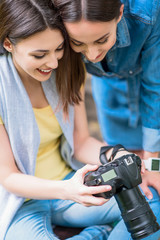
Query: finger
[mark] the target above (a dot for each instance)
(147, 191)
(94, 201)
(97, 189)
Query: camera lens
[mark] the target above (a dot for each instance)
(136, 212)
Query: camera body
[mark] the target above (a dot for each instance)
(121, 173)
(124, 175)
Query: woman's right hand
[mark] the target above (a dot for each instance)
(77, 191)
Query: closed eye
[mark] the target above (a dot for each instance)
(61, 47)
(76, 43)
(39, 57)
(102, 41)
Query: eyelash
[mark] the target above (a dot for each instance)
(104, 41)
(77, 44)
(58, 49)
(80, 44)
(38, 57)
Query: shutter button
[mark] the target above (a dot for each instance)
(98, 181)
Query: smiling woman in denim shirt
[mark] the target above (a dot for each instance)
(44, 138)
(120, 43)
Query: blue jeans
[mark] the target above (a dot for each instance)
(35, 220)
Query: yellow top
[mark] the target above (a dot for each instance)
(49, 163)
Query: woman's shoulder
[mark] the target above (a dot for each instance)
(5, 65)
(145, 10)
(2, 57)
(4, 60)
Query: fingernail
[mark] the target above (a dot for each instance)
(108, 187)
(149, 197)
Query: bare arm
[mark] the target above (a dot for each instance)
(28, 186)
(87, 148)
(21, 184)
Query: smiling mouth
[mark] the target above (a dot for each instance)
(44, 71)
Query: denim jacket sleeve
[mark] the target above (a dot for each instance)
(150, 89)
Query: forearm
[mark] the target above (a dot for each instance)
(147, 155)
(28, 186)
(89, 150)
(72, 189)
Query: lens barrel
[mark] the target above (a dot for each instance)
(136, 213)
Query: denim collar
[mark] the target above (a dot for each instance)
(123, 36)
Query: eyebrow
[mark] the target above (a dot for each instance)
(106, 35)
(40, 50)
(45, 51)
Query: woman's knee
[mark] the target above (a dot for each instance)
(33, 227)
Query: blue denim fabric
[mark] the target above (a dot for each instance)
(35, 220)
(127, 95)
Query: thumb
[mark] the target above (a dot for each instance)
(147, 191)
(87, 168)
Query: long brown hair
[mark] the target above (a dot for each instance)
(91, 10)
(21, 19)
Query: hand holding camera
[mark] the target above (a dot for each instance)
(123, 174)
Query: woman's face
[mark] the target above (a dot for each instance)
(37, 56)
(92, 39)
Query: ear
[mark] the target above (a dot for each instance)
(7, 45)
(121, 13)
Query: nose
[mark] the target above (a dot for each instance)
(92, 52)
(53, 61)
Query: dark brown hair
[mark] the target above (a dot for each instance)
(19, 19)
(91, 10)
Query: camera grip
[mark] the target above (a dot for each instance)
(93, 179)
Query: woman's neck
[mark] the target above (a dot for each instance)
(35, 92)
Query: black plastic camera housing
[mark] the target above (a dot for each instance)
(124, 175)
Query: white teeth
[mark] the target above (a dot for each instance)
(47, 71)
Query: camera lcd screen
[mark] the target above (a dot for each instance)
(155, 165)
(108, 175)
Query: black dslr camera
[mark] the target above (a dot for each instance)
(123, 174)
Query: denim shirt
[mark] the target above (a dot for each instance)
(135, 57)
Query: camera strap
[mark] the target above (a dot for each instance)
(103, 150)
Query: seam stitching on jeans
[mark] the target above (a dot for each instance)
(103, 231)
(51, 236)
